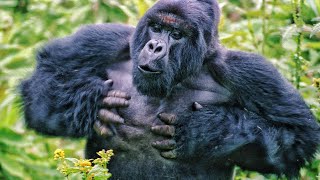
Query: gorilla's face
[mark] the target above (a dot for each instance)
(167, 47)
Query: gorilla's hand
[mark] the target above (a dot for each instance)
(167, 147)
(107, 116)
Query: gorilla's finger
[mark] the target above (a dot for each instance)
(102, 130)
(164, 130)
(115, 102)
(168, 118)
(109, 117)
(196, 106)
(119, 94)
(169, 154)
(164, 145)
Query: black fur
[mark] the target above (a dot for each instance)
(252, 117)
(62, 96)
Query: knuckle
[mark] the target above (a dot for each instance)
(156, 128)
(119, 94)
(168, 118)
(111, 93)
(113, 116)
(106, 115)
(172, 118)
(115, 102)
(107, 101)
(119, 101)
(169, 154)
(171, 130)
(165, 129)
(169, 143)
(156, 144)
(101, 114)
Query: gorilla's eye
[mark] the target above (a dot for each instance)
(176, 34)
(155, 27)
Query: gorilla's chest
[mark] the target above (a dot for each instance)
(142, 113)
(132, 142)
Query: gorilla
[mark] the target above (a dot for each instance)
(169, 99)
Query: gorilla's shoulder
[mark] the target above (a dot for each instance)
(243, 56)
(94, 44)
(249, 60)
(104, 32)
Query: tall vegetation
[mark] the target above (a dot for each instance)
(287, 32)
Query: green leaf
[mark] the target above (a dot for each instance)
(12, 167)
(72, 160)
(100, 173)
(8, 135)
(313, 6)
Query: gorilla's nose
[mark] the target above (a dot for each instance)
(156, 49)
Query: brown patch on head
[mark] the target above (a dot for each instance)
(170, 19)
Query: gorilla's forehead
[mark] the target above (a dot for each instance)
(191, 13)
(172, 20)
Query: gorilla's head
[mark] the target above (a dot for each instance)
(171, 42)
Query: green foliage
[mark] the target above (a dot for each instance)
(287, 32)
(24, 155)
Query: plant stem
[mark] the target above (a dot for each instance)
(297, 58)
(297, 61)
(264, 28)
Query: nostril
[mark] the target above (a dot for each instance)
(150, 46)
(158, 49)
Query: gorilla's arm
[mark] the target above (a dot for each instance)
(221, 134)
(257, 86)
(273, 120)
(63, 95)
(267, 127)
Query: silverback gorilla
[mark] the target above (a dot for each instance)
(246, 113)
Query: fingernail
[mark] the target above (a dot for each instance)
(197, 106)
(109, 82)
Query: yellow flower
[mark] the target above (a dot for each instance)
(58, 154)
(90, 177)
(83, 163)
(110, 153)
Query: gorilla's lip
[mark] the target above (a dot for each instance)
(145, 69)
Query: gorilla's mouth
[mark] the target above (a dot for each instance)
(145, 69)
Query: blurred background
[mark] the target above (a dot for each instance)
(287, 32)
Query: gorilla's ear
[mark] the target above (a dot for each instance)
(213, 11)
